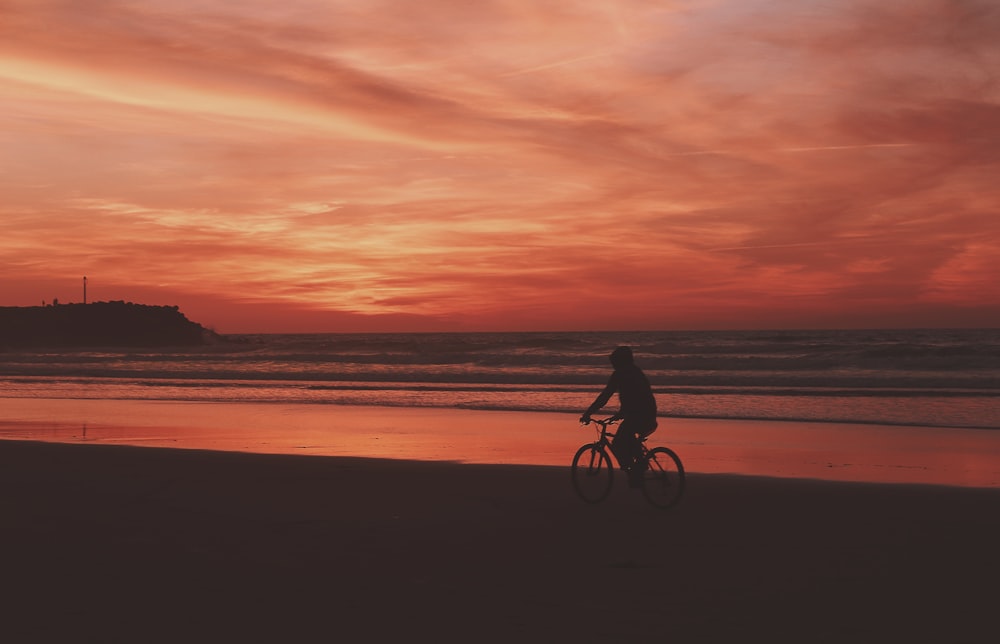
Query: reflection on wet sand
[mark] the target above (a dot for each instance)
(783, 449)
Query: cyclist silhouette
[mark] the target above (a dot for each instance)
(637, 409)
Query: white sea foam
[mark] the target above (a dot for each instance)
(906, 377)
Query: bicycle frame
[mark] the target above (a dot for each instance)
(605, 436)
(592, 471)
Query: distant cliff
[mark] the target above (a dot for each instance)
(100, 324)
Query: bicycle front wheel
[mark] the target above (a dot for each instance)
(663, 480)
(592, 473)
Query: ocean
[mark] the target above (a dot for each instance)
(936, 378)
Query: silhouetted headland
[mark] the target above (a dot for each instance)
(99, 324)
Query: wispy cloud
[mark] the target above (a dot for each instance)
(505, 164)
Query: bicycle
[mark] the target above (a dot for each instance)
(593, 471)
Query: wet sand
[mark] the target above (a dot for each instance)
(829, 451)
(116, 543)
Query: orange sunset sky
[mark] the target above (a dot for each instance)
(351, 165)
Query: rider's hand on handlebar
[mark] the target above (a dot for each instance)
(585, 419)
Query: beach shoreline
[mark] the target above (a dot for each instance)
(784, 449)
(117, 543)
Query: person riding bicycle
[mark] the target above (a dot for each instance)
(637, 410)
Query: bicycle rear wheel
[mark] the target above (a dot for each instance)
(592, 473)
(663, 480)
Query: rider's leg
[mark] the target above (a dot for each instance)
(625, 447)
(628, 451)
(642, 427)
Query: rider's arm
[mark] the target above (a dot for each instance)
(602, 398)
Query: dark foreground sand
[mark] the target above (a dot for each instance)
(125, 544)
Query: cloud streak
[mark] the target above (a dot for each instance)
(506, 164)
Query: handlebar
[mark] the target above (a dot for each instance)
(604, 422)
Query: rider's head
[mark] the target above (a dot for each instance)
(621, 357)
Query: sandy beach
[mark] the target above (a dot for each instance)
(111, 542)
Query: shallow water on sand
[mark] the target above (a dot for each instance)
(827, 451)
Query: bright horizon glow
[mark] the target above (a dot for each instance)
(375, 166)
